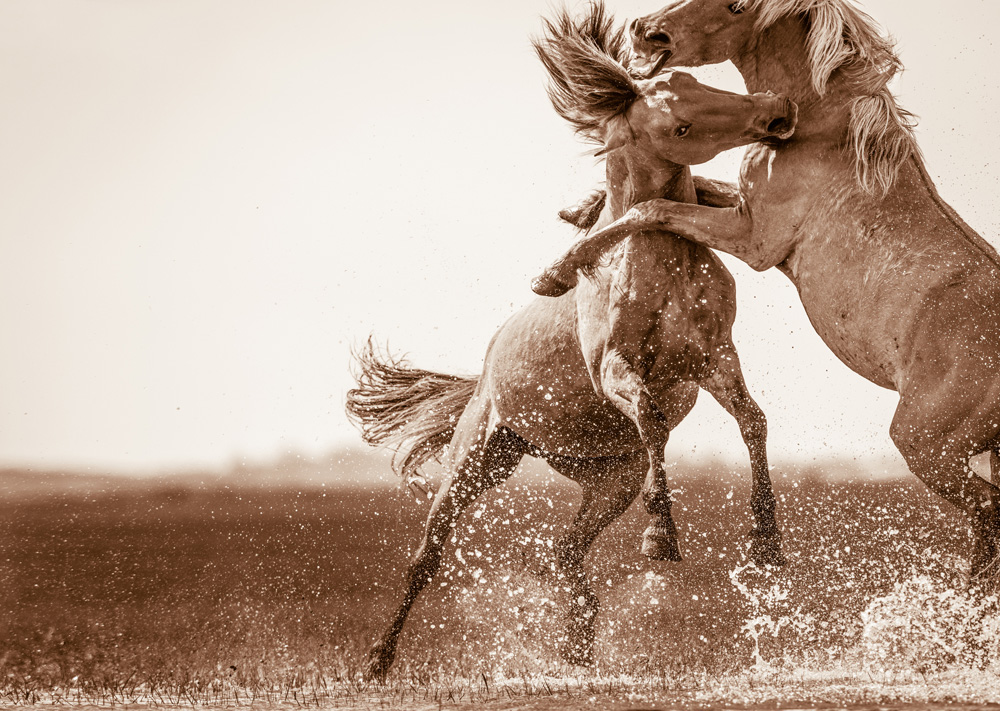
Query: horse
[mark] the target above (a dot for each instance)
(903, 291)
(561, 379)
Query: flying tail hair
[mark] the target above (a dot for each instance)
(410, 410)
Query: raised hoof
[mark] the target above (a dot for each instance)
(659, 543)
(548, 284)
(766, 549)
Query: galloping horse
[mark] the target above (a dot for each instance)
(896, 284)
(558, 376)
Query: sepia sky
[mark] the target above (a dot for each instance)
(207, 203)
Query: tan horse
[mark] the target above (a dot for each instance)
(896, 284)
(667, 317)
(558, 376)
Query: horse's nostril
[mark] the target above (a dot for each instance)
(778, 125)
(658, 37)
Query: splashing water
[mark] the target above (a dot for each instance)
(771, 609)
(926, 625)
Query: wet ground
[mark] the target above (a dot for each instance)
(230, 596)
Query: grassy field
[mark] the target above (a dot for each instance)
(216, 592)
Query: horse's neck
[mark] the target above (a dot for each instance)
(777, 60)
(633, 178)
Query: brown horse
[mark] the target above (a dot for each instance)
(593, 382)
(896, 284)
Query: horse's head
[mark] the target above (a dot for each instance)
(690, 33)
(672, 117)
(676, 118)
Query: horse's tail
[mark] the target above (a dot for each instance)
(410, 410)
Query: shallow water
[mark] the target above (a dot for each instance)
(214, 597)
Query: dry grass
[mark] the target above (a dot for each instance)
(220, 597)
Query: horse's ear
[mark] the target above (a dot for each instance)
(617, 133)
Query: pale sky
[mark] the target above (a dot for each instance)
(207, 203)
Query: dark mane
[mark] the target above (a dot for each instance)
(586, 61)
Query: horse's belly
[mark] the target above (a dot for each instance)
(854, 328)
(685, 342)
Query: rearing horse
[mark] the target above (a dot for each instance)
(559, 380)
(897, 285)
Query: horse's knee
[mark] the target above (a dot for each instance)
(756, 424)
(926, 453)
(922, 443)
(749, 416)
(585, 602)
(613, 374)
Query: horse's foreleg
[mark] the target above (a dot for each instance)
(728, 387)
(626, 390)
(610, 485)
(727, 229)
(480, 470)
(716, 193)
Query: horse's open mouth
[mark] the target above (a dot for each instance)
(649, 67)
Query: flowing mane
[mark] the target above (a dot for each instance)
(880, 133)
(586, 59)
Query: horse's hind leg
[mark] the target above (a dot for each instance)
(936, 437)
(480, 468)
(625, 388)
(610, 485)
(727, 386)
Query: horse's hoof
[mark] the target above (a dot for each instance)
(579, 652)
(548, 284)
(578, 657)
(660, 543)
(766, 550)
(380, 658)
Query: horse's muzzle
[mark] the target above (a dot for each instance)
(779, 122)
(652, 49)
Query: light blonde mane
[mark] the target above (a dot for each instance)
(880, 134)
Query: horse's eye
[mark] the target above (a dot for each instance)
(681, 131)
(737, 7)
